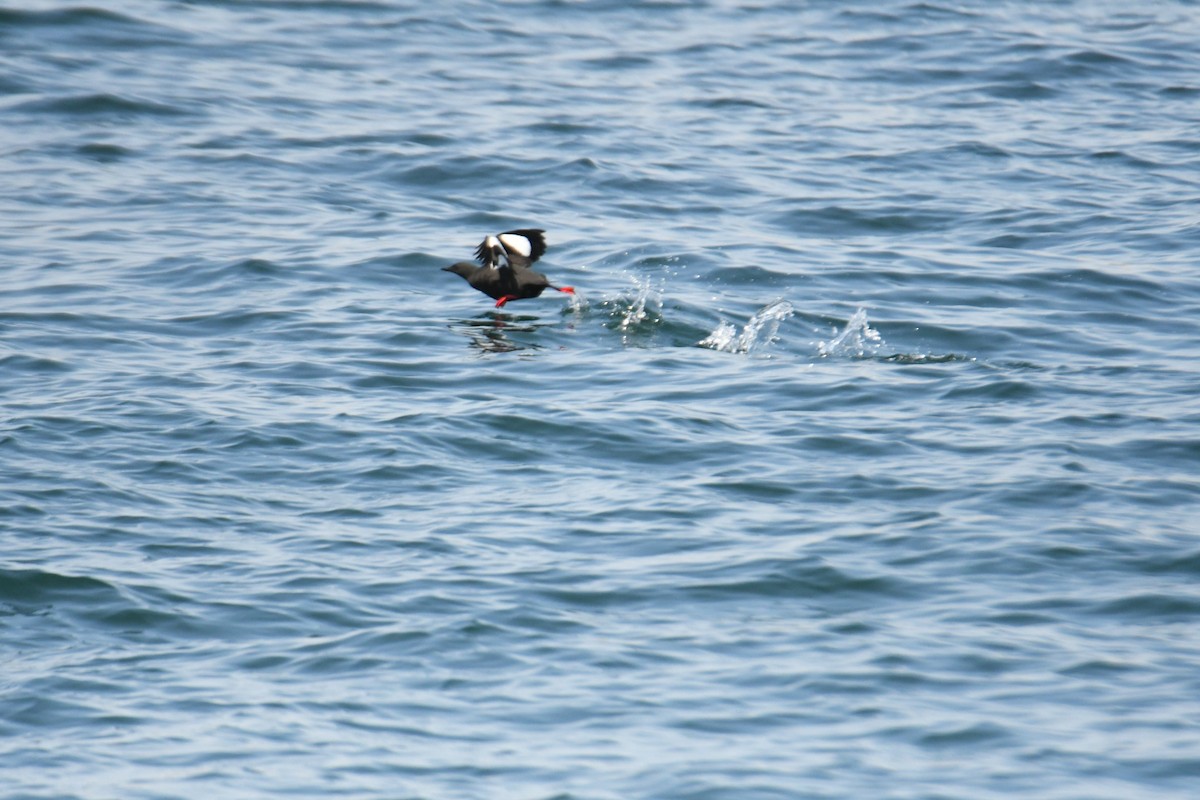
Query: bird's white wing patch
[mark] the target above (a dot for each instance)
(515, 243)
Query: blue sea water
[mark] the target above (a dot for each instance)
(864, 464)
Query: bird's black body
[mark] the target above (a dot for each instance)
(503, 272)
(511, 282)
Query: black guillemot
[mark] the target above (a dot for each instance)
(503, 272)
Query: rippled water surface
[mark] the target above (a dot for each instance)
(864, 464)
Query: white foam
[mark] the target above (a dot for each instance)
(648, 302)
(724, 338)
(856, 340)
(760, 331)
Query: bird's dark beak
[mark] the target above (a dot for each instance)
(445, 269)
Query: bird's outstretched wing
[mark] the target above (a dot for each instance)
(529, 243)
(518, 248)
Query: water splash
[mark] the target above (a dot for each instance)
(576, 304)
(638, 314)
(645, 306)
(760, 331)
(857, 340)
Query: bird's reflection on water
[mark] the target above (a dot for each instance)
(492, 332)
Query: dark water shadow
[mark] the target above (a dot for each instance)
(496, 332)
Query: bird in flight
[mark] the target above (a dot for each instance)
(503, 272)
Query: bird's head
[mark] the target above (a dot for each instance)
(462, 268)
